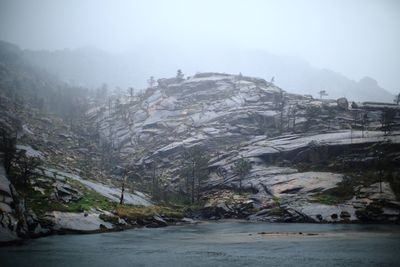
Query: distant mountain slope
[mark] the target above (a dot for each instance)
(91, 67)
(35, 86)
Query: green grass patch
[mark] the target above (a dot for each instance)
(276, 211)
(41, 203)
(90, 199)
(133, 212)
(325, 199)
(109, 218)
(344, 191)
(277, 201)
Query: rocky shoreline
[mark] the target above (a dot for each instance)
(156, 224)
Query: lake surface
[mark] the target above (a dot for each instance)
(228, 243)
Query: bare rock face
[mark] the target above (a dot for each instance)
(234, 116)
(12, 227)
(65, 193)
(78, 222)
(377, 202)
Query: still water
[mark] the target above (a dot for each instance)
(227, 243)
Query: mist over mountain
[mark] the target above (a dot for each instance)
(92, 67)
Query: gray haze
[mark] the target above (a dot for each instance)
(355, 38)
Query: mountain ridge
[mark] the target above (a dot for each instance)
(91, 67)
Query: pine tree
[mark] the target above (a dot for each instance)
(241, 168)
(322, 93)
(180, 75)
(151, 81)
(194, 169)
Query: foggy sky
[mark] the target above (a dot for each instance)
(356, 38)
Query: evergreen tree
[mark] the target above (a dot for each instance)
(397, 99)
(151, 81)
(241, 168)
(194, 169)
(180, 75)
(387, 119)
(322, 93)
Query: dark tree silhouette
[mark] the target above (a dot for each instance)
(241, 168)
(155, 175)
(8, 147)
(121, 199)
(180, 75)
(387, 119)
(194, 169)
(131, 91)
(26, 166)
(311, 115)
(322, 93)
(280, 103)
(331, 117)
(293, 113)
(397, 99)
(380, 161)
(363, 122)
(151, 81)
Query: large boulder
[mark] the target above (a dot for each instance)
(343, 103)
(65, 193)
(77, 222)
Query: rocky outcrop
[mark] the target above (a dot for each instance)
(234, 116)
(343, 103)
(85, 222)
(376, 203)
(64, 192)
(12, 223)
